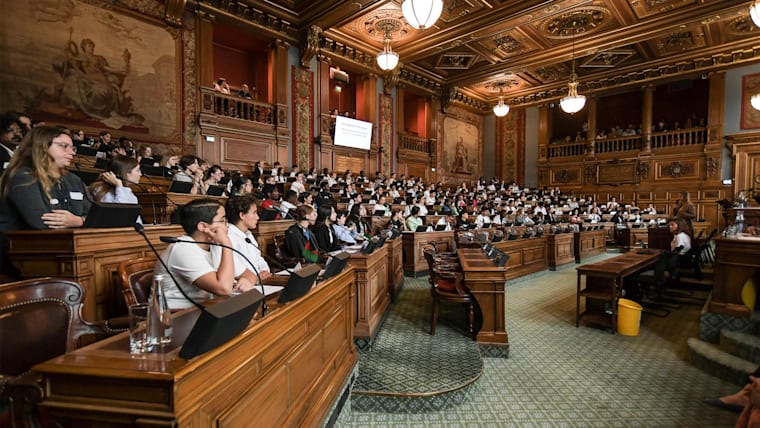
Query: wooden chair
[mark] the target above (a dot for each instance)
(136, 278)
(40, 319)
(446, 286)
(282, 255)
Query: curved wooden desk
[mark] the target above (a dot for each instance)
(287, 369)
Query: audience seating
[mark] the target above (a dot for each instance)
(282, 255)
(136, 278)
(446, 285)
(39, 319)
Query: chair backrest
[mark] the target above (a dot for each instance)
(39, 319)
(136, 277)
(281, 254)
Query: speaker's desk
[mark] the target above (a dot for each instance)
(486, 282)
(87, 256)
(287, 369)
(414, 260)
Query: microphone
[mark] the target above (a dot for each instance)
(152, 200)
(267, 258)
(139, 228)
(165, 195)
(173, 240)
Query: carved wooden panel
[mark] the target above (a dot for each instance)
(566, 176)
(679, 169)
(244, 152)
(616, 173)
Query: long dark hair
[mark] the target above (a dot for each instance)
(120, 166)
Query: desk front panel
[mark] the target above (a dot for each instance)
(414, 242)
(372, 296)
(589, 243)
(286, 369)
(526, 256)
(560, 249)
(486, 282)
(395, 266)
(90, 257)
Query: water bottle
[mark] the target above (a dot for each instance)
(159, 316)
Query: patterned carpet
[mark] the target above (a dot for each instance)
(561, 376)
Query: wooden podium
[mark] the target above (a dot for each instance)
(486, 282)
(372, 297)
(287, 369)
(87, 256)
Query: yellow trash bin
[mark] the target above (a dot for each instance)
(629, 317)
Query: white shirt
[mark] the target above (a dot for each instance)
(121, 195)
(187, 262)
(297, 187)
(251, 251)
(681, 239)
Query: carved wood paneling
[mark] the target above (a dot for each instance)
(617, 172)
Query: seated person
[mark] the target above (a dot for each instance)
(323, 230)
(444, 221)
(299, 239)
(192, 264)
(357, 215)
(191, 172)
(382, 205)
(397, 220)
(289, 202)
(243, 217)
(271, 196)
(343, 232)
(669, 261)
(463, 221)
(483, 219)
(414, 221)
(212, 177)
(112, 186)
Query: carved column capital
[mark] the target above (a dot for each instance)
(175, 9)
(310, 45)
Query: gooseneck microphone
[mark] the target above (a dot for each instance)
(152, 201)
(173, 240)
(139, 228)
(267, 258)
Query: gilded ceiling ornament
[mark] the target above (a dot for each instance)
(580, 21)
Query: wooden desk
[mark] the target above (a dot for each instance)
(267, 230)
(604, 280)
(659, 238)
(560, 249)
(372, 297)
(87, 256)
(589, 243)
(486, 282)
(526, 256)
(287, 369)
(158, 207)
(736, 260)
(395, 266)
(414, 260)
(630, 237)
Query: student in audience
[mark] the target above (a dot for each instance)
(271, 197)
(289, 202)
(221, 86)
(241, 185)
(243, 217)
(483, 219)
(306, 198)
(397, 220)
(113, 186)
(463, 221)
(191, 172)
(444, 221)
(36, 190)
(212, 177)
(298, 186)
(11, 134)
(192, 264)
(414, 221)
(244, 92)
(145, 156)
(299, 239)
(323, 231)
(24, 120)
(382, 206)
(357, 216)
(344, 234)
(170, 164)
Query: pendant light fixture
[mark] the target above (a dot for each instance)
(421, 14)
(573, 103)
(387, 60)
(754, 12)
(501, 109)
(755, 101)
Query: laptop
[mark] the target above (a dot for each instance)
(88, 177)
(378, 213)
(215, 191)
(268, 214)
(422, 228)
(180, 186)
(86, 151)
(155, 171)
(440, 227)
(102, 163)
(112, 215)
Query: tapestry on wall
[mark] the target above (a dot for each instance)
(750, 86)
(386, 132)
(510, 146)
(461, 146)
(303, 116)
(78, 64)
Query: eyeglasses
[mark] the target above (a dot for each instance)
(66, 147)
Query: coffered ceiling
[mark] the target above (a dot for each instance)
(522, 47)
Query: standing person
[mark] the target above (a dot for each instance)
(36, 190)
(192, 264)
(243, 217)
(299, 239)
(685, 209)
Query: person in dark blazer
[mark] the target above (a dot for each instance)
(299, 239)
(323, 231)
(11, 133)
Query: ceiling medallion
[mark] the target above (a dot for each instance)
(581, 21)
(507, 44)
(607, 59)
(456, 60)
(374, 25)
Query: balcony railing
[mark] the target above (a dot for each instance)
(414, 143)
(235, 107)
(618, 144)
(680, 137)
(567, 149)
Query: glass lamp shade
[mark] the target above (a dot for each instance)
(572, 103)
(387, 60)
(501, 109)
(755, 101)
(754, 12)
(421, 14)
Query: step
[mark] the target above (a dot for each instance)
(713, 360)
(743, 345)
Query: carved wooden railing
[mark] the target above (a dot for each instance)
(414, 143)
(618, 144)
(567, 149)
(681, 137)
(235, 107)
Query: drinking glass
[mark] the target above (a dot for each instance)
(138, 334)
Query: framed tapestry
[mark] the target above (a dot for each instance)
(750, 86)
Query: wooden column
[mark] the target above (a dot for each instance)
(205, 49)
(433, 118)
(715, 107)
(591, 118)
(322, 104)
(278, 83)
(646, 118)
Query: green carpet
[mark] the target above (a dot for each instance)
(558, 375)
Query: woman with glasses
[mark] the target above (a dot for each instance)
(36, 190)
(200, 272)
